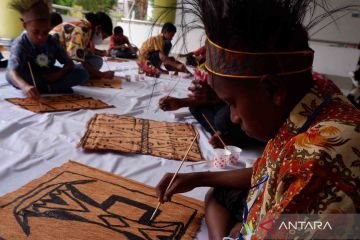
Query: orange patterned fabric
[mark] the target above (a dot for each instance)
(125, 134)
(115, 82)
(75, 201)
(317, 171)
(114, 59)
(59, 103)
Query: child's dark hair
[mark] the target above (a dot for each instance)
(168, 27)
(100, 18)
(258, 25)
(118, 30)
(55, 19)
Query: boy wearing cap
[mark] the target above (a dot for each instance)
(36, 51)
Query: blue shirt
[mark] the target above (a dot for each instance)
(42, 59)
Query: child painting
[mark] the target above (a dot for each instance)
(33, 54)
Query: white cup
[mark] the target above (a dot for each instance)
(134, 78)
(234, 157)
(221, 157)
(164, 87)
(142, 76)
(184, 75)
(171, 73)
(128, 78)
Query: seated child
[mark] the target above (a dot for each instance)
(34, 52)
(119, 45)
(80, 37)
(155, 51)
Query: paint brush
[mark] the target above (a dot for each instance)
(107, 64)
(171, 90)
(174, 176)
(152, 93)
(199, 163)
(212, 128)
(33, 79)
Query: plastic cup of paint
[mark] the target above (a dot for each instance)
(142, 76)
(234, 157)
(164, 87)
(184, 75)
(134, 78)
(171, 73)
(221, 157)
(128, 78)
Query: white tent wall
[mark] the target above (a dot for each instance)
(333, 56)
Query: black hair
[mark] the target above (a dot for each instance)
(102, 19)
(118, 30)
(168, 27)
(259, 25)
(55, 19)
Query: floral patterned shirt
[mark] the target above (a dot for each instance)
(316, 171)
(75, 37)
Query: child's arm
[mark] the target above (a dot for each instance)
(59, 74)
(118, 47)
(126, 44)
(172, 63)
(171, 103)
(18, 81)
(101, 53)
(184, 182)
(130, 46)
(95, 73)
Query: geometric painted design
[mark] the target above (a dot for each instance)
(78, 202)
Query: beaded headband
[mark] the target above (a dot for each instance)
(236, 64)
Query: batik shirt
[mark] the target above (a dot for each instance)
(153, 44)
(41, 59)
(75, 37)
(317, 171)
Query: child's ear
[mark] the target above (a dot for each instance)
(275, 90)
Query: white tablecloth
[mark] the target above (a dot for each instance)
(32, 144)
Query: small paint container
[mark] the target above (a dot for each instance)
(234, 157)
(134, 78)
(171, 73)
(184, 75)
(221, 157)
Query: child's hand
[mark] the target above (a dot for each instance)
(235, 231)
(68, 67)
(102, 53)
(199, 91)
(180, 67)
(215, 141)
(31, 91)
(183, 182)
(108, 74)
(170, 103)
